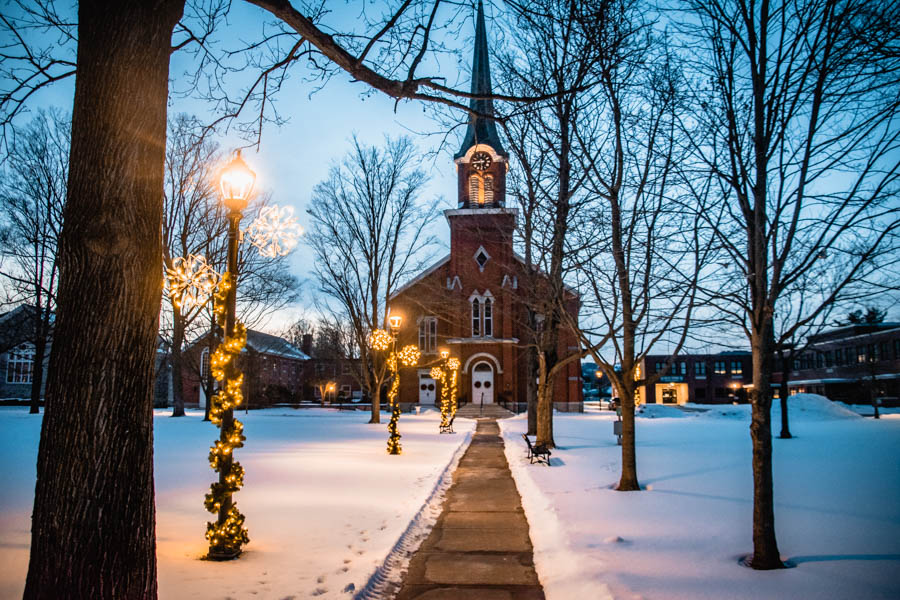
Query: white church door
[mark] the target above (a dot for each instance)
(482, 384)
(426, 389)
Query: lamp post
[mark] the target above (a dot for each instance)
(409, 356)
(227, 534)
(440, 373)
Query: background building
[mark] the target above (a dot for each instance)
(720, 378)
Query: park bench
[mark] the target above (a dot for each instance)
(448, 428)
(537, 452)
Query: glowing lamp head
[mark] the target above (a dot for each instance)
(236, 183)
(395, 321)
(330, 387)
(445, 354)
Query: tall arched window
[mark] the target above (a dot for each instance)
(476, 318)
(475, 190)
(204, 363)
(488, 189)
(488, 318)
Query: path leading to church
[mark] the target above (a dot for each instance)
(479, 548)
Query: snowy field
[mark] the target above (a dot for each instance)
(325, 504)
(837, 514)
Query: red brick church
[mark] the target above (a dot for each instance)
(470, 302)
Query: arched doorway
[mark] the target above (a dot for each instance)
(483, 384)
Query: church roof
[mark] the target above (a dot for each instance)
(481, 130)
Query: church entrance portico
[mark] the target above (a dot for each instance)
(483, 383)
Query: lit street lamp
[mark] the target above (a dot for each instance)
(227, 534)
(381, 340)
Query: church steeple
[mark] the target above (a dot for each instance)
(481, 130)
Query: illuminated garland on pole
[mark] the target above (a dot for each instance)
(227, 534)
(453, 365)
(438, 374)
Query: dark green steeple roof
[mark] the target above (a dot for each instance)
(480, 130)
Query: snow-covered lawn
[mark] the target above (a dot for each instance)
(837, 514)
(324, 502)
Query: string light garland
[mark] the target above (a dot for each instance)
(275, 232)
(227, 535)
(453, 366)
(190, 281)
(381, 340)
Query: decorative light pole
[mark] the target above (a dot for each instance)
(227, 534)
(439, 373)
(453, 367)
(382, 340)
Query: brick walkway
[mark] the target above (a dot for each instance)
(479, 548)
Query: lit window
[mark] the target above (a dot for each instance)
(736, 367)
(720, 367)
(488, 190)
(475, 195)
(428, 335)
(20, 364)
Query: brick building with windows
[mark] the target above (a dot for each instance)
(471, 301)
(851, 364)
(720, 378)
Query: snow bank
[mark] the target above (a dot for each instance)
(836, 514)
(325, 504)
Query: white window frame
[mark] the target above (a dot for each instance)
(204, 364)
(20, 364)
(476, 317)
(484, 309)
(428, 335)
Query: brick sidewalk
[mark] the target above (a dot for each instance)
(479, 548)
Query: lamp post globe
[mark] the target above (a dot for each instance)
(236, 183)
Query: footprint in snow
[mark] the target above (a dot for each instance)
(320, 579)
(319, 591)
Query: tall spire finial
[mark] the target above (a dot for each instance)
(481, 130)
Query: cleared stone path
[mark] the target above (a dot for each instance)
(479, 548)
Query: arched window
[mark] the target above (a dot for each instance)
(488, 189)
(204, 363)
(488, 318)
(476, 318)
(475, 190)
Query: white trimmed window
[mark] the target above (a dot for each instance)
(475, 190)
(476, 318)
(428, 335)
(482, 314)
(20, 364)
(204, 363)
(488, 189)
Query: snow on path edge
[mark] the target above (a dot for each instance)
(386, 580)
(558, 566)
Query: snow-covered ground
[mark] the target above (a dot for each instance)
(325, 504)
(837, 514)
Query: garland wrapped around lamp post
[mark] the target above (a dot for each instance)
(227, 534)
(381, 340)
(440, 374)
(453, 367)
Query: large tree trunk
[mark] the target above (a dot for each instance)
(765, 547)
(93, 530)
(544, 405)
(629, 481)
(375, 395)
(176, 357)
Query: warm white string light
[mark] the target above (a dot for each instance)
(190, 282)
(275, 232)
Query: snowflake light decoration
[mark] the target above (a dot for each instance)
(436, 373)
(409, 356)
(275, 232)
(380, 340)
(453, 364)
(191, 281)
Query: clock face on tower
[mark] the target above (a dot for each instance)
(481, 161)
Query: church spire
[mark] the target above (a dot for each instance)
(480, 130)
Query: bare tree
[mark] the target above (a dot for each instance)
(109, 289)
(552, 49)
(367, 237)
(33, 195)
(795, 124)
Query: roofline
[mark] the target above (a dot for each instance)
(566, 286)
(419, 277)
